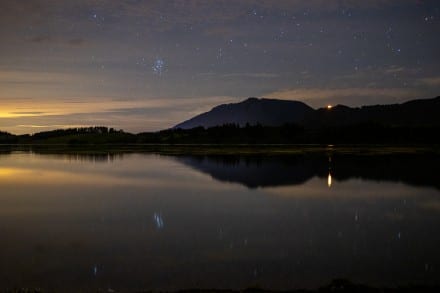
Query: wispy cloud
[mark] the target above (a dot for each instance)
(131, 115)
(430, 81)
(253, 75)
(41, 39)
(378, 73)
(47, 39)
(395, 69)
(28, 113)
(33, 77)
(319, 97)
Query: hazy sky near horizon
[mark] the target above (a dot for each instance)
(144, 65)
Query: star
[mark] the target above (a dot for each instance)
(158, 66)
(219, 54)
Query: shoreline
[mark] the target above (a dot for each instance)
(228, 149)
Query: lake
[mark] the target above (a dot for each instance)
(136, 221)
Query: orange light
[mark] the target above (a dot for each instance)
(329, 107)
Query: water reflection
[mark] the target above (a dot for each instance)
(66, 154)
(158, 221)
(102, 157)
(257, 171)
(265, 171)
(83, 225)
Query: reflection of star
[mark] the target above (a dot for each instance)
(158, 66)
(158, 220)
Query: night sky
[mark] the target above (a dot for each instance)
(144, 65)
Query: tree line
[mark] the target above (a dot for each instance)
(234, 134)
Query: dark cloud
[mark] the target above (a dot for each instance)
(13, 13)
(41, 39)
(76, 41)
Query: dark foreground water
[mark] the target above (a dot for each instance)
(145, 221)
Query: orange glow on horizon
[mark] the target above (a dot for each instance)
(7, 114)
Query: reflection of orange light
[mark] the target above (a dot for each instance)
(329, 180)
(329, 107)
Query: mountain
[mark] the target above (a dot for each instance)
(272, 112)
(268, 112)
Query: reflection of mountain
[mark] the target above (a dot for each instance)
(265, 171)
(256, 171)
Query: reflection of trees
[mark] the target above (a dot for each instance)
(104, 157)
(5, 151)
(90, 157)
(66, 154)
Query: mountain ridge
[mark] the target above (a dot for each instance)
(275, 112)
(250, 111)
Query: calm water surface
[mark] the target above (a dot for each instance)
(145, 221)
